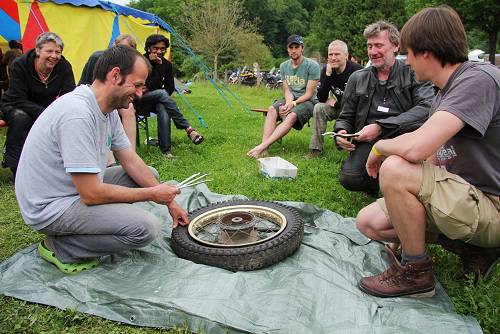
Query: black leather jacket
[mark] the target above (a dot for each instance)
(413, 97)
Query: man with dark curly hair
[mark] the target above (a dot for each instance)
(157, 96)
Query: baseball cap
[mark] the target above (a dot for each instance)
(294, 39)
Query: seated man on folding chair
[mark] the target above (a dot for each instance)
(157, 95)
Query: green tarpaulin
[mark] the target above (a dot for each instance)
(313, 291)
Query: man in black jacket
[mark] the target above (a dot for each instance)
(381, 101)
(37, 78)
(333, 80)
(157, 96)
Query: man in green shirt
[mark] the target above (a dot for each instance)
(300, 77)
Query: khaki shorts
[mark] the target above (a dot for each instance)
(457, 209)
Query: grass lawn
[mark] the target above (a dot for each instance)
(231, 133)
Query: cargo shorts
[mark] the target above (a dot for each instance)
(303, 110)
(456, 208)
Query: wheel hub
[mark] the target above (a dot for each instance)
(237, 228)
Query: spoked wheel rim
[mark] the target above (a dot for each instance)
(284, 236)
(237, 226)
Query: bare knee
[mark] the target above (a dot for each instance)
(363, 221)
(392, 169)
(291, 118)
(272, 113)
(371, 220)
(397, 173)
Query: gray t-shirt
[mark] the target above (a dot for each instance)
(71, 136)
(297, 78)
(473, 94)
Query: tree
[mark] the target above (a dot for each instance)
(347, 19)
(214, 26)
(477, 15)
(169, 11)
(482, 15)
(277, 19)
(250, 49)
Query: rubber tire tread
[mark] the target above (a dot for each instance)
(242, 258)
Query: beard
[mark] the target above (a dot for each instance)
(120, 102)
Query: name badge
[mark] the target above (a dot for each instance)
(382, 109)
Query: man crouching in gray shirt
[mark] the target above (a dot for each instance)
(63, 187)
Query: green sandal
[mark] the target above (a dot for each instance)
(67, 268)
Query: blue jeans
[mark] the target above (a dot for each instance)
(159, 102)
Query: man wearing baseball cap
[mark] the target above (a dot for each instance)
(300, 77)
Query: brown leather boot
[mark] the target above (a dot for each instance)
(414, 279)
(477, 260)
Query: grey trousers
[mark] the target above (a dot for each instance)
(322, 114)
(84, 232)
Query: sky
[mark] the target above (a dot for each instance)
(120, 2)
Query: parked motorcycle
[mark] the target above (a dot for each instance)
(273, 79)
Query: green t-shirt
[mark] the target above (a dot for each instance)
(297, 78)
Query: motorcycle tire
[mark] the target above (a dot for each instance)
(247, 256)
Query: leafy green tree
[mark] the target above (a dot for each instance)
(347, 19)
(250, 49)
(170, 11)
(214, 27)
(414, 6)
(477, 15)
(477, 39)
(482, 15)
(277, 19)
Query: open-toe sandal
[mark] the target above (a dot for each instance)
(198, 139)
(67, 268)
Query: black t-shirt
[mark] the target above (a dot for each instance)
(383, 105)
(335, 82)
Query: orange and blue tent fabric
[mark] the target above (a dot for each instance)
(85, 26)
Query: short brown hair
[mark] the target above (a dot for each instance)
(121, 56)
(438, 30)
